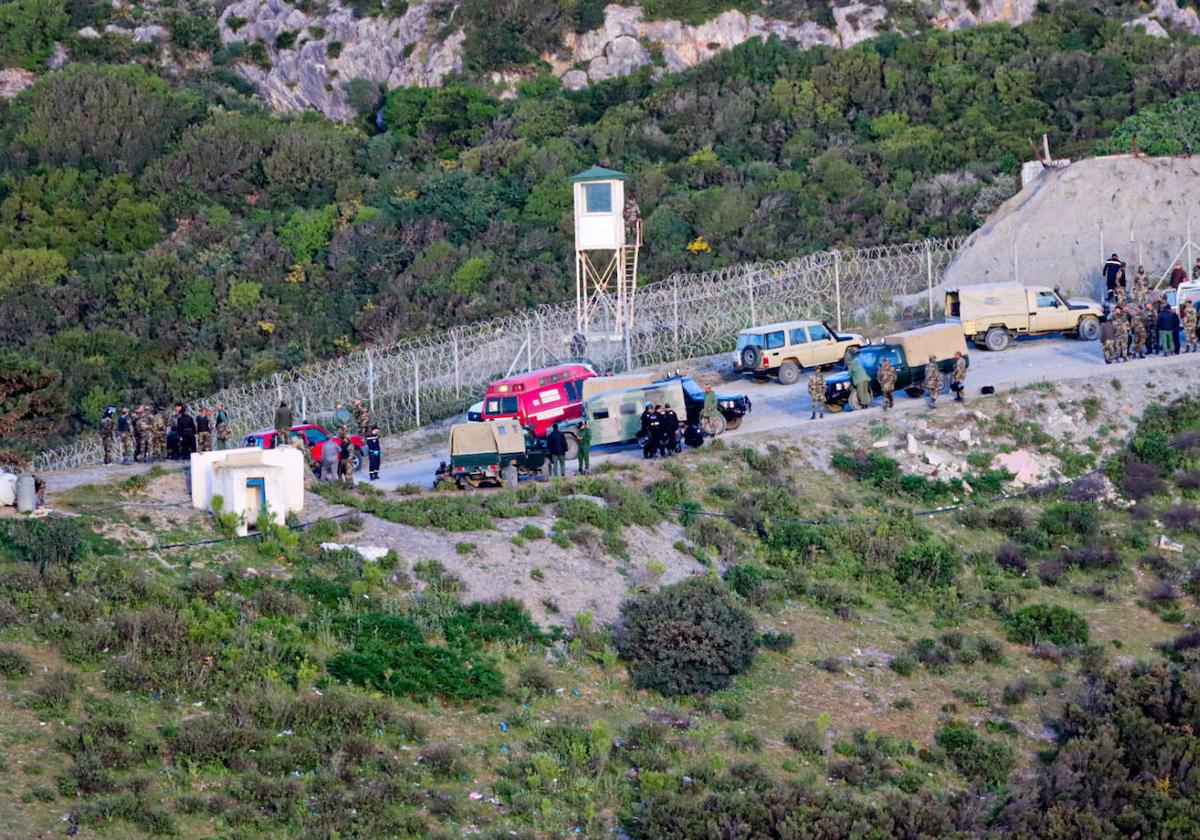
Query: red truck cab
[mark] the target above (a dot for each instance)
(540, 398)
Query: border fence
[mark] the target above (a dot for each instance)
(430, 377)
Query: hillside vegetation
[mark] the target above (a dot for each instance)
(163, 235)
(842, 663)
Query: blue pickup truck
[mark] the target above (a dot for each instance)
(908, 352)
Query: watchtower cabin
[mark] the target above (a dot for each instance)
(608, 236)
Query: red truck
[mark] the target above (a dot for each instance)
(540, 398)
(314, 436)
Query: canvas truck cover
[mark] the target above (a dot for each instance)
(991, 299)
(941, 340)
(467, 438)
(600, 384)
(509, 437)
(616, 416)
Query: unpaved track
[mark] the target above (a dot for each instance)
(781, 410)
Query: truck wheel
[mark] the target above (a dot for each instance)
(855, 402)
(751, 356)
(996, 339)
(357, 460)
(713, 426)
(835, 408)
(1089, 329)
(914, 392)
(732, 423)
(789, 373)
(572, 448)
(460, 483)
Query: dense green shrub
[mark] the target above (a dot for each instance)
(419, 671)
(1038, 623)
(687, 638)
(757, 584)
(505, 620)
(13, 663)
(979, 759)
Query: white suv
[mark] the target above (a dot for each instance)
(787, 348)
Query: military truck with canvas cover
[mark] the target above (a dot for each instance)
(908, 353)
(615, 416)
(993, 314)
(478, 451)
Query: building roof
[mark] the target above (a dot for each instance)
(599, 173)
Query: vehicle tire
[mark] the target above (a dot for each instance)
(461, 483)
(713, 426)
(835, 408)
(572, 447)
(357, 459)
(732, 423)
(789, 373)
(474, 483)
(855, 402)
(914, 392)
(751, 356)
(1089, 328)
(996, 339)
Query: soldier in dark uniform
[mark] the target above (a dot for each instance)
(669, 440)
(374, 453)
(648, 432)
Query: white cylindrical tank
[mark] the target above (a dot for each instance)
(26, 494)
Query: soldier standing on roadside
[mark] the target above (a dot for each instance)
(1187, 314)
(584, 459)
(108, 431)
(310, 463)
(374, 452)
(283, 423)
(933, 380)
(346, 461)
(816, 391)
(160, 434)
(204, 430)
(1108, 339)
(959, 376)
(362, 416)
(1121, 325)
(221, 422)
(886, 375)
(125, 431)
(1137, 327)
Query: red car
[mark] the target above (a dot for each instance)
(314, 435)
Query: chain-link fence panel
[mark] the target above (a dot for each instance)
(433, 376)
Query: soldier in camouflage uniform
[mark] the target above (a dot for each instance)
(933, 381)
(1137, 327)
(108, 431)
(145, 428)
(1187, 314)
(362, 417)
(126, 429)
(1141, 286)
(161, 424)
(1150, 321)
(958, 377)
(886, 377)
(310, 464)
(1121, 325)
(1108, 339)
(204, 427)
(816, 390)
(221, 421)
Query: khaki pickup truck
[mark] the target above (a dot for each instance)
(993, 314)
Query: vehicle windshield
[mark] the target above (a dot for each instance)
(746, 340)
(871, 355)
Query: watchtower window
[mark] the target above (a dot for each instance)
(597, 198)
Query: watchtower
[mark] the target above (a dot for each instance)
(608, 236)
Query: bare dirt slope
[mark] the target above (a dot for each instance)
(1059, 226)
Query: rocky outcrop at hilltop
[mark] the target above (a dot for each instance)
(332, 47)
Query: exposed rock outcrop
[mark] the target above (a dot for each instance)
(332, 47)
(14, 80)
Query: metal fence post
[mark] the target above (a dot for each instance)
(528, 348)
(837, 286)
(417, 389)
(370, 380)
(929, 276)
(457, 372)
(1189, 242)
(675, 312)
(278, 388)
(750, 289)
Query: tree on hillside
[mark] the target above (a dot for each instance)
(115, 119)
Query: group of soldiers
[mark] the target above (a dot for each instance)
(337, 453)
(660, 431)
(1132, 332)
(142, 434)
(885, 376)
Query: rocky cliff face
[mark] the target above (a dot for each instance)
(416, 49)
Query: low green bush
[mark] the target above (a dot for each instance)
(687, 638)
(978, 759)
(1039, 623)
(419, 671)
(13, 663)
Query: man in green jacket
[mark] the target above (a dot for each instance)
(862, 382)
(584, 436)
